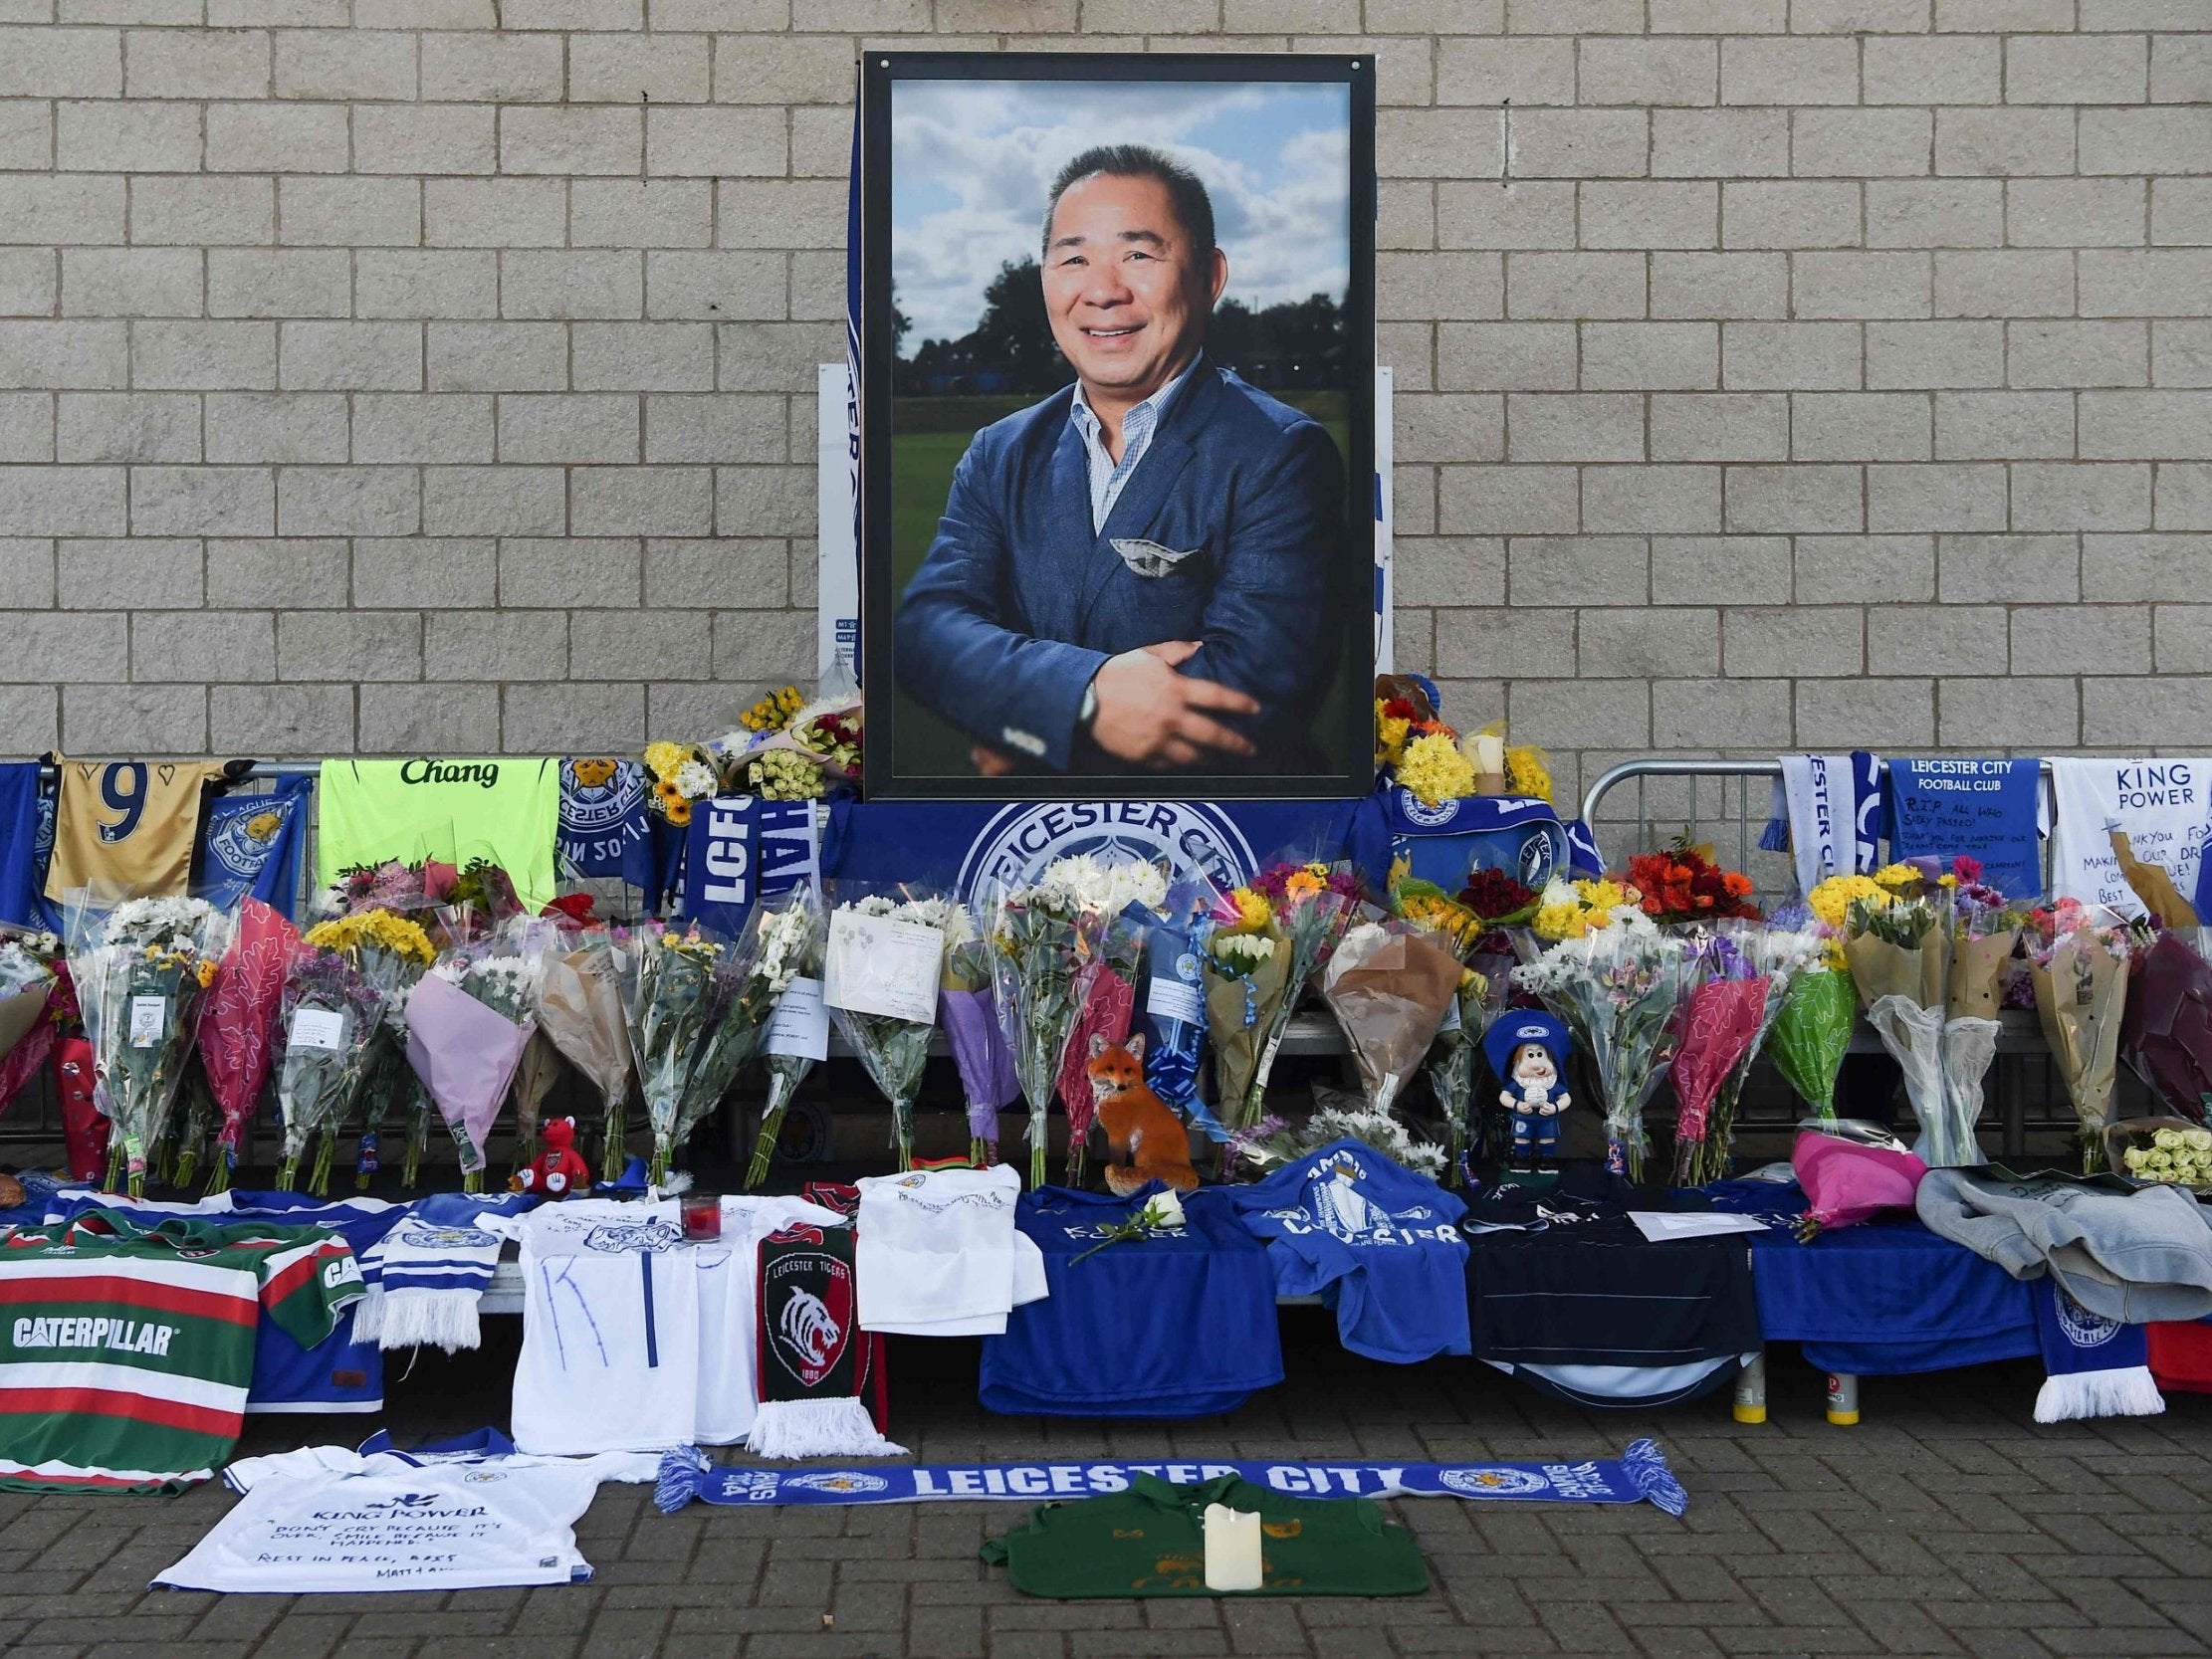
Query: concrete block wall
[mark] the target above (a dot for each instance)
(389, 375)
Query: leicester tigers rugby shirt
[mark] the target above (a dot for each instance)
(126, 1348)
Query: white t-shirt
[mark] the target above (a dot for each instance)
(327, 1520)
(610, 1330)
(937, 1253)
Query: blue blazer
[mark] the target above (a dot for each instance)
(1018, 603)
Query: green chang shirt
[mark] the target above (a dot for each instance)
(506, 810)
(1150, 1540)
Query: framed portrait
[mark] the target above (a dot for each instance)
(1117, 425)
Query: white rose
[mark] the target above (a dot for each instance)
(2166, 1139)
(2134, 1158)
(2198, 1140)
(1165, 1209)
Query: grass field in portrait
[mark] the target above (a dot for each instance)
(929, 435)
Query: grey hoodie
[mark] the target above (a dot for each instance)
(2133, 1257)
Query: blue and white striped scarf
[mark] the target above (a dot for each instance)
(430, 1271)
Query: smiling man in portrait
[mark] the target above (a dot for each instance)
(1147, 570)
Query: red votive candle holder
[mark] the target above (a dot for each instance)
(702, 1215)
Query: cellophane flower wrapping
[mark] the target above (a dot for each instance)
(969, 1011)
(1035, 958)
(668, 994)
(2080, 972)
(393, 949)
(43, 972)
(1390, 987)
(1113, 946)
(580, 1008)
(773, 950)
(1617, 989)
(26, 981)
(1313, 904)
(1812, 1033)
(239, 1031)
(785, 1070)
(893, 1048)
(1724, 1032)
(330, 1009)
(467, 1022)
(1175, 1011)
(140, 968)
(2166, 1031)
(1458, 926)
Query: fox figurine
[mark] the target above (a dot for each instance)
(1139, 1126)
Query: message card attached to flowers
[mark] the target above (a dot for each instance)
(878, 964)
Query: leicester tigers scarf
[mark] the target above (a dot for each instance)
(816, 1363)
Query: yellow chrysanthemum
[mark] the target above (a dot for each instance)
(206, 972)
(1526, 773)
(1832, 900)
(1897, 876)
(380, 929)
(662, 758)
(1561, 920)
(1252, 912)
(1390, 734)
(1434, 771)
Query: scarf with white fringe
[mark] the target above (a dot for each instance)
(430, 1271)
(2092, 1367)
(815, 1362)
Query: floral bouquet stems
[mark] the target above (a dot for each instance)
(1778, 955)
(778, 937)
(467, 1022)
(238, 1020)
(1113, 945)
(1722, 1016)
(1033, 964)
(788, 1055)
(580, 1007)
(140, 970)
(884, 961)
(1617, 989)
(535, 1075)
(668, 995)
(421, 1109)
(200, 1120)
(330, 1012)
(392, 951)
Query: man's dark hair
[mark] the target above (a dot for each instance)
(1193, 208)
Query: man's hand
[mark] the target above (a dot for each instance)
(990, 761)
(1153, 716)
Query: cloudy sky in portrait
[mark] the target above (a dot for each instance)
(973, 161)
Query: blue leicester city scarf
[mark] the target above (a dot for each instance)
(250, 847)
(2092, 1366)
(1637, 1476)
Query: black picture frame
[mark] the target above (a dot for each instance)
(1350, 733)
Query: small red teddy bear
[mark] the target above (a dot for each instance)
(557, 1173)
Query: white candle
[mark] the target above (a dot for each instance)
(1231, 1549)
(1489, 753)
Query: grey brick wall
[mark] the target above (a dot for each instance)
(394, 375)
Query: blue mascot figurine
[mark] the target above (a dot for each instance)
(1529, 1052)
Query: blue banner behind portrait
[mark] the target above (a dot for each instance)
(250, 847)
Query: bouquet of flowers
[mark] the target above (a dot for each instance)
(2079, 969)
(30, 1053)
(1390, 987)
(2166, 1034)
(1114, 904)
(970, 1015)
(1812, 1031)
(750, 981)
(26, 982)
(393, 952)
(238, 1029)
(1747, 974)
(141, 970)
(1985, 930)
(2175, 1154)
(1176, 931)
(1313, 904)
(798, 1037)
(1684, 883)
(668, 995)
(580, 1007)
(683, 774)
(1247, 971)
(1035, 957)
(1572, 909)
(1616, 987)
(329, 1012)
(1498, 902)
(883, 962)
(467, 1022)
(791, 749)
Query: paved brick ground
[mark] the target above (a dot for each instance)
(1949, 1522)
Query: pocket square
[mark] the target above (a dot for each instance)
(1150, 558)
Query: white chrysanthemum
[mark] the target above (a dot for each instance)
(696, 779)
